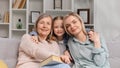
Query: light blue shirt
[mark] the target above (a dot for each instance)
(86, 55)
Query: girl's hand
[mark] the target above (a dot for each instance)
(94, 36)
(68, 54)
(35, 39)
(65, 59)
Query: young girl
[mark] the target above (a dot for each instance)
(59, 33)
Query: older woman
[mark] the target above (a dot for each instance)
(32, 54)
(88, 50)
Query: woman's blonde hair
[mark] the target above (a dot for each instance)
(36, 25)
(79, 18)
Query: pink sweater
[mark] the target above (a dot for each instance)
(31, 54)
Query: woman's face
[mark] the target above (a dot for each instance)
(44, 26)
(58, 28)
(73, 25)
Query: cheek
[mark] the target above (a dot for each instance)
(49, 26)
(55, 29)
(63, 30)
(50, 29)
(68, 29)
(39, 25)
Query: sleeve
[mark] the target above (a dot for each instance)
(33, 33)
(29, 47)
(100, 55)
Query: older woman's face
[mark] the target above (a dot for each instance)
(73, 25)
(44, 26)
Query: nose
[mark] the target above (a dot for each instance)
(59, 28)
(72, 25)
(44, 25)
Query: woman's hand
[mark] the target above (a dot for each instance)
(65, 59)
(94, 36)
(35, 39)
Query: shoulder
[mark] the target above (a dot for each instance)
(27, 41)
(53, 42)
(26, 36)
(70, 39)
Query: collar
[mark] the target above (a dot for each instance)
(83, 43)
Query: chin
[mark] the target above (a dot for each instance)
(75, 33)
(45, 34)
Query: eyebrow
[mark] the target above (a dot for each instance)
(73, 20)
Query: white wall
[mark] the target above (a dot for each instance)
(107, 18)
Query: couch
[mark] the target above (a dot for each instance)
(114, 55)
(9, 52)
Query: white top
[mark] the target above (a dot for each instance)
(62, 46)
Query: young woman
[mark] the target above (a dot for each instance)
(32, 54)
(88, 50)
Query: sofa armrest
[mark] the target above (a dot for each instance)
(9, 51)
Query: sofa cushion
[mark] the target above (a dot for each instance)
(2, 64)
(9, 51)
(114, 62)
(114, 47)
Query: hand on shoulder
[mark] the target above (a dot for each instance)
(35, 39)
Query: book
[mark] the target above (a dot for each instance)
(16, 4)
(6, 17)
(22, 4)
(51, 60)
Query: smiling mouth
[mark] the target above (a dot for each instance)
(60, 32)
(73, 30)
(44, 30)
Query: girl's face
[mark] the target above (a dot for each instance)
(73, 25)
(44, 26)
(58, 28)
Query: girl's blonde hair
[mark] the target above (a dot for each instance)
(36, 25)
(79, 18)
